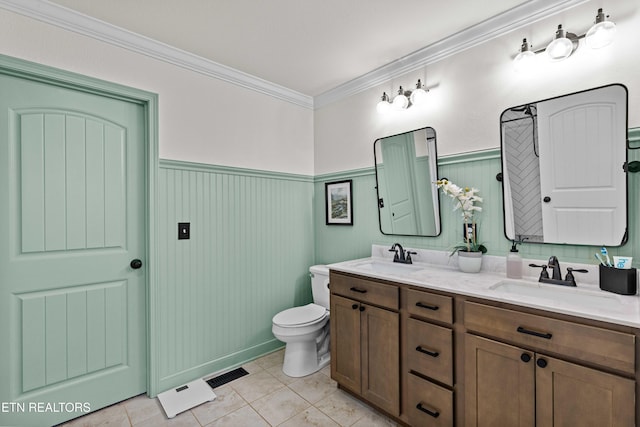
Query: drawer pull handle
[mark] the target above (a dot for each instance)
(546, 336)
(428, 307)
(358, 290)
(426, 411)
(427, 352)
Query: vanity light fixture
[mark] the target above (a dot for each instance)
(401, 101)
(384, 106)
(565, 43)
(404, 99)
(602, 33)
(525, 57)
(562, 46)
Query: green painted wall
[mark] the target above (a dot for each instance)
(479, 169)
(254, 235)
(247, 259)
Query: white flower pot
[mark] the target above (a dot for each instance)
(469, 262)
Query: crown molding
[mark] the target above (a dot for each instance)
(518, 17)
(71, 20)
(513, 19)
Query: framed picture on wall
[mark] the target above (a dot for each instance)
(338, 203)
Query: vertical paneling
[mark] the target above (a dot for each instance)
(95, 184)
(73, 183)
(56, 337)
(247, 259)
(33, 343)
(76, 184)
(114, 187)
(334, 244)
(54, 183)
(70, 332)
(77, 334)
(32, 179)
(96, 331)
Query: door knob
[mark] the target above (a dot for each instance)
(135, 264)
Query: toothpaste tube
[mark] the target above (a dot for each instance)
(622, 261)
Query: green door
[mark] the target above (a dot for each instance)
(72, 200)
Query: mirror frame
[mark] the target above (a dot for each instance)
(500, 177)
(375, 167)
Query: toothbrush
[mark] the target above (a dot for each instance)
(599, 258)
(604, 252)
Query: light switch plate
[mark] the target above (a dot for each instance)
(184, 230)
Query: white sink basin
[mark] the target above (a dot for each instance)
(386, 267)
(570, 295)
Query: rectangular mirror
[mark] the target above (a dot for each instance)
(564, 176)
(406, 171)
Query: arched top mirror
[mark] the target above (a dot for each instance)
(564, 173)
(406, 171)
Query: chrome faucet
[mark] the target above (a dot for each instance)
(401, 255)
(556, 277)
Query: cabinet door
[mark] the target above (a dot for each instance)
(381, 358)
(345, 342)
(573, 395)
(499, 384)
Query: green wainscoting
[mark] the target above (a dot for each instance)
(248, 258)
(254, 234)
(478, 169)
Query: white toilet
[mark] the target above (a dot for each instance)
(305, 329)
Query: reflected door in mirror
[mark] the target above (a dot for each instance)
(563, 168)
(406, 168)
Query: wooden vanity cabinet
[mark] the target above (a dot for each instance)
(427, 358)
(365, 349)
(511, 385)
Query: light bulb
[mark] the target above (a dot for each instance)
(561, 47)
(400, 102)
(419, 95)
(525, 58)
(383, 106)
(602, 33)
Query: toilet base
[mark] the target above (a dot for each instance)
(302, 359)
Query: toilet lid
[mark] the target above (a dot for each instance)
(300, 315)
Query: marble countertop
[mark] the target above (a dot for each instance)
(436, 270)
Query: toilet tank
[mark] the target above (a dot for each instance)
(320, 285)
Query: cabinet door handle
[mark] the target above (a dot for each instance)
(354, 306)
(362, 308)
(541, 363)
(358, 290)
(525, 357)
(545, 335)
(427, 306)
(426, 411)
(427, 352)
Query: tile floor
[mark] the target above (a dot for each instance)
(265, 397)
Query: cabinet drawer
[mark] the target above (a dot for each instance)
(601, 346)
(365, 290)
(430, 306)
(428, 404)
(430, 350)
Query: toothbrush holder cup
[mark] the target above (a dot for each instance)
(618, 280)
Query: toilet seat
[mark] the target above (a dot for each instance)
(300, 316)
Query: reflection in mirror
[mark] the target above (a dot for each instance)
(563, 175)
(406, 172)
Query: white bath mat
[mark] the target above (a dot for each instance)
(185, 397)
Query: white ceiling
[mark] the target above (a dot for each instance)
(309, 46)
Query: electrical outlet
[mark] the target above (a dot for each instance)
(184, 229)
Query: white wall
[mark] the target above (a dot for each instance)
(202, 119)
(471, 89)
